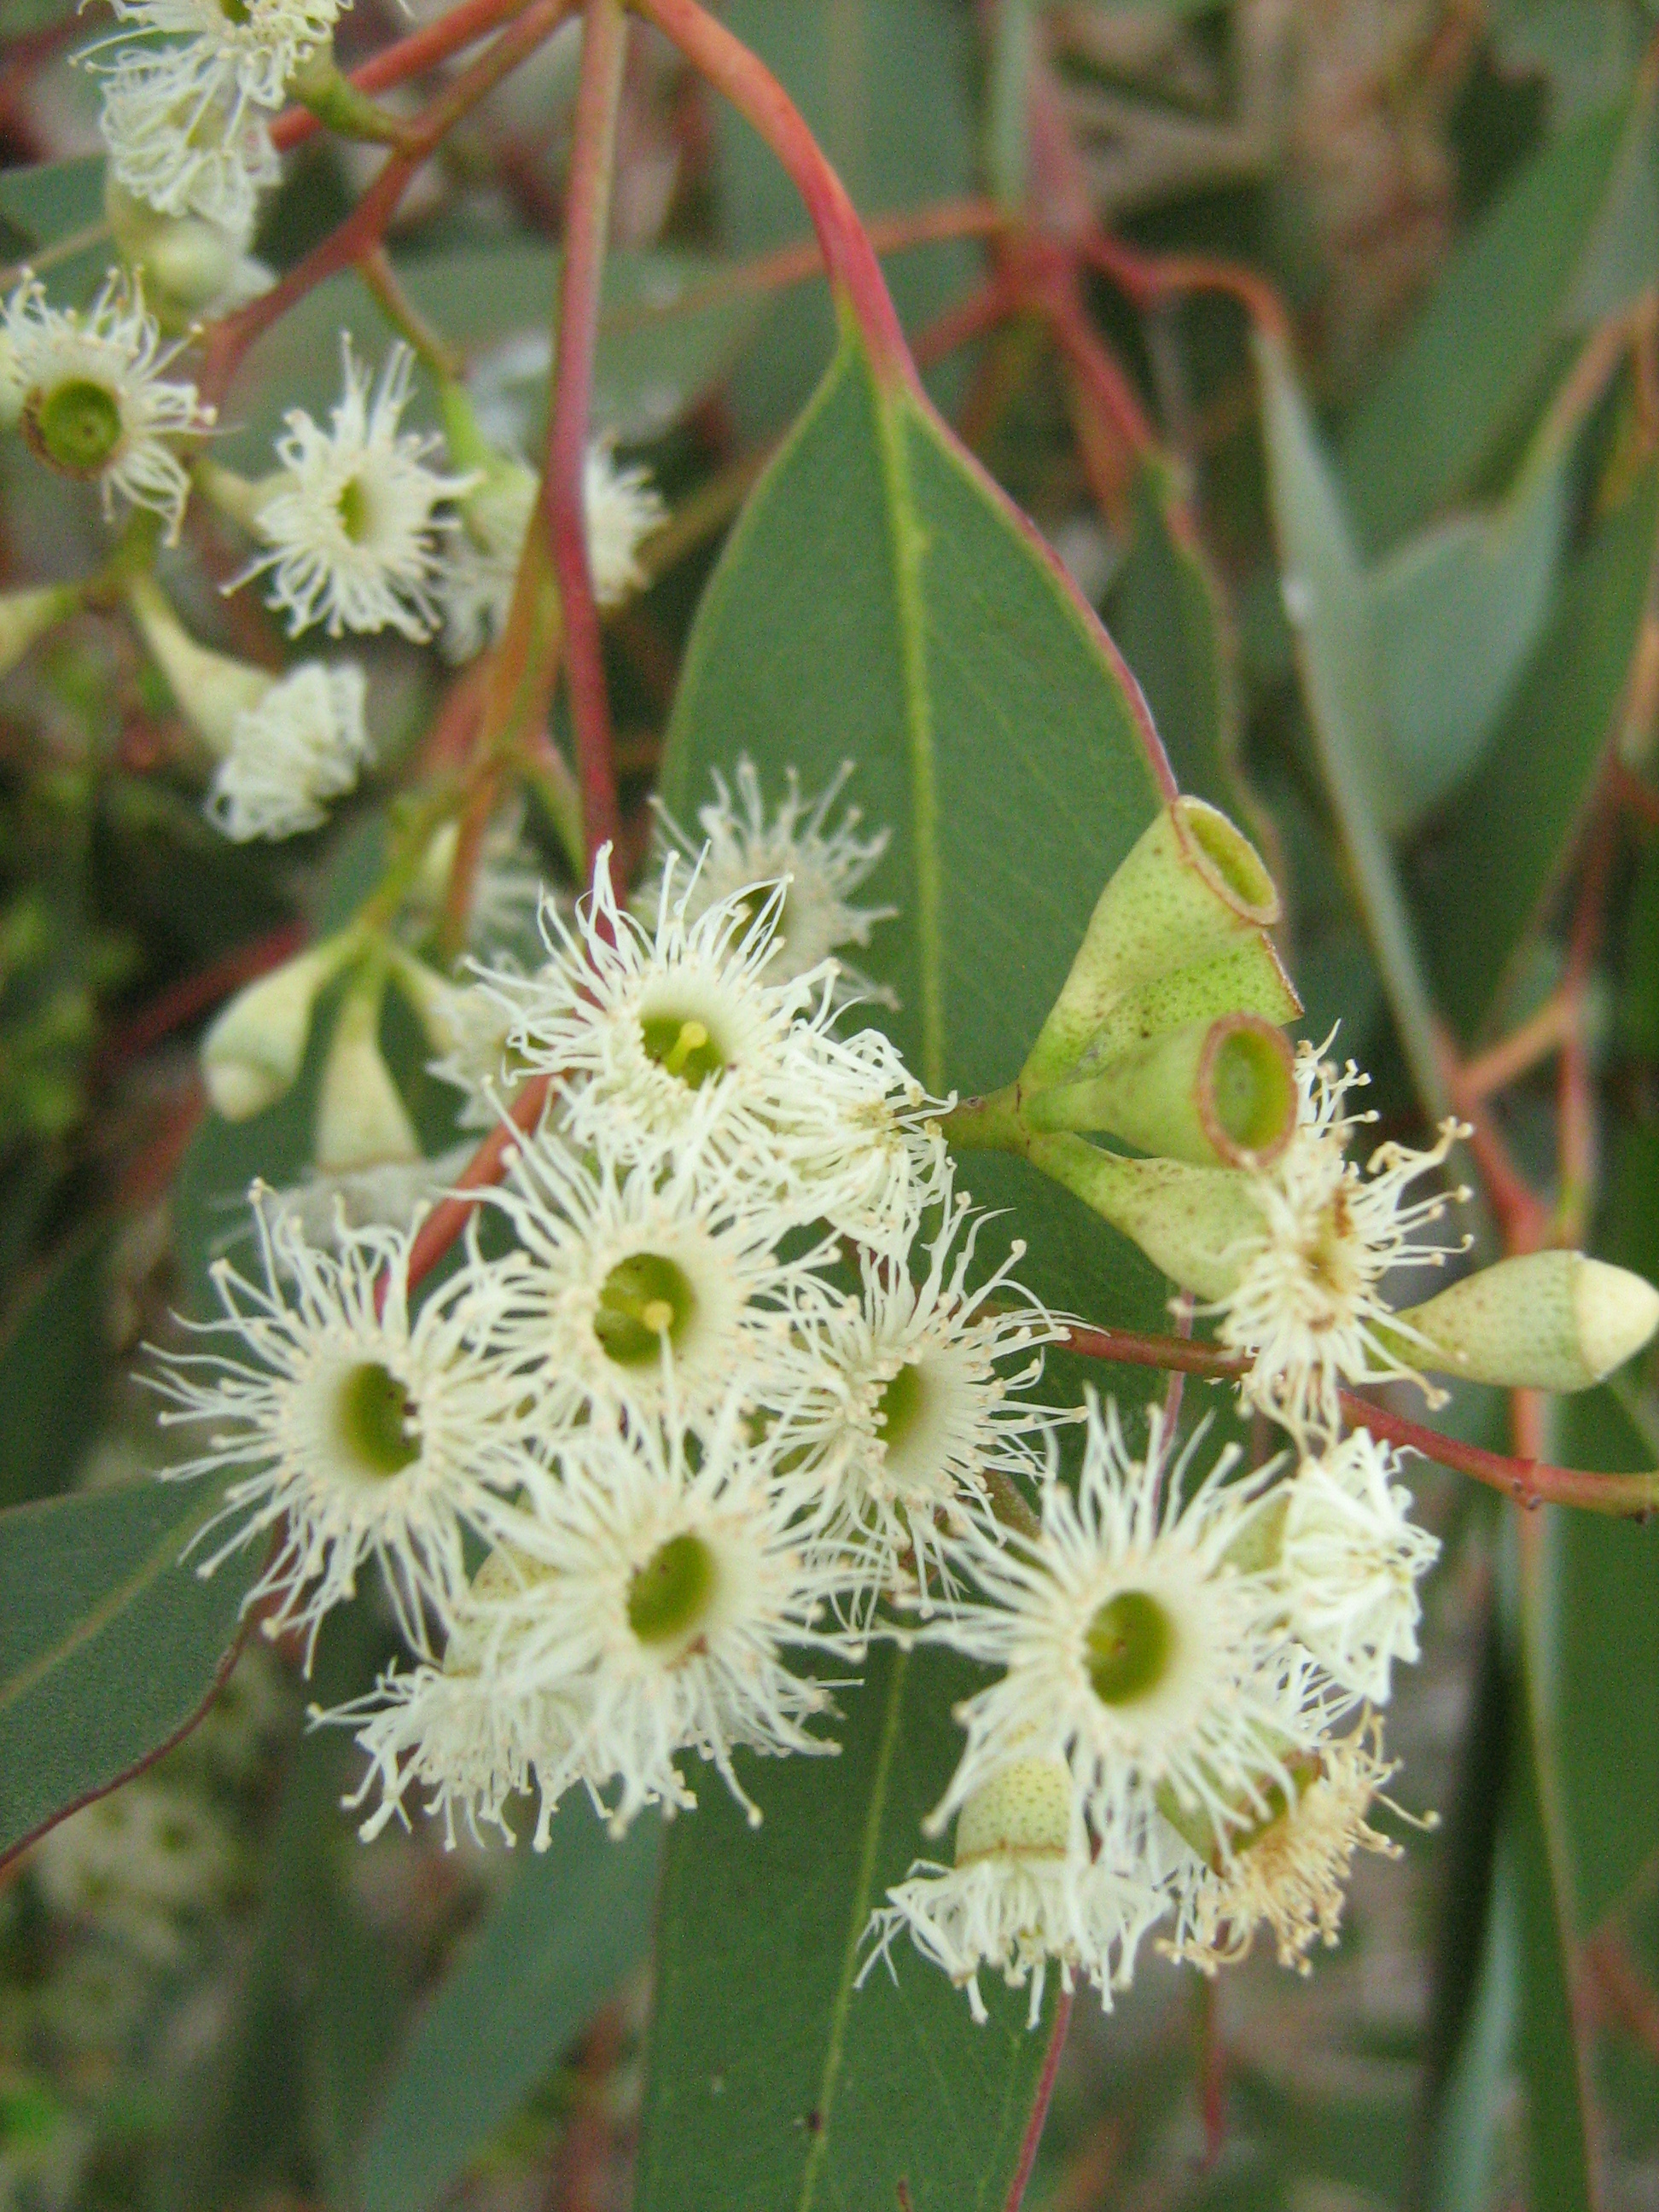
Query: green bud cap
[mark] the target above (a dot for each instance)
(186, 262)
(1218, 1094)
(213, 691)
(252, 1052)
(1546, 1321)
(1191, 887)
(1186, 1219)
(1025, 1810)
(671, 1597)
(361, 1119)
(76, 426)
(1248, 978)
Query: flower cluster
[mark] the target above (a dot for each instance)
(737, 1393)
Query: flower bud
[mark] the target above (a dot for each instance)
(1190, 888)
(1547, 1321)
(211, 689)
(1027, 1808)
(361, 1119)
(187, 263)
(1218, 1094)
(434, 1001)
(1187, 1220)
(25, 616)
(253, 1052)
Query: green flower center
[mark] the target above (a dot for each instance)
(683, 1047)
(373, 1415)
(899, 1406)
(643, 1300)
(1128, 1647)
(236, 11)
(1254, 1090)
(355, 510)
(669, 1597)
(77, 426)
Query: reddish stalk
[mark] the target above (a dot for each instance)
(1630, 790)
(588, 221)
(485, 1169)
(958, 326)
(194, 995)
(229, 339)
(411, 57)
(1045, 2090)
(1515, 1054)
(854, 271)
(1529, 1481)
(1148, 278)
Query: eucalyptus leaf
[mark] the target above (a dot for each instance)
(572, 1923)
(1473, 359)
(108, 1644)
(877, 603)
(53, 1370)
(1512, 833)
(53, 200)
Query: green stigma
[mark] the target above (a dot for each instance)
(353, 507)
(682, 1048)
(898, 1406)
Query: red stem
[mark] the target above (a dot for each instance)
(1045, 2090)
(486, 1168)
(193, 995)
(756, 93)
(229, 339)
(411, 57)
(1529, 1481)
(587, 217)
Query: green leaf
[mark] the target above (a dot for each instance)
(877, 603)
(52, 1368)
(883, 86)
(1327, 597)
(108, 1645)
(1458, 385)
(1168, 618)
(1513, 831)
(1608, 1668)
(495, 303)
(52, 200)
(572, 1924)
(1457, 611)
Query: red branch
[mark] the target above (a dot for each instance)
(411, 57)
(1529, 1481)
(193, 995)
(486, 1168)
(756, 95)
(587, 217)
(1045, 2090)
(229, 339)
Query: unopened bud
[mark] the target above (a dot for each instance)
(1028, 1808)
(1187, 1220)
(1218, 1094)
(435, 1001)
(187, 263)
(361, 1119)
(1547, 1321)
(337, 103)
(253, 1052)
(1191, 887)
(212, 690)
(25, 616)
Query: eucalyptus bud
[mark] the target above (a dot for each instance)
(1546, 1321)
(1026, 1809)
(1217, 1094)
(187, 263)
(1248, 978)
(25, 616)
(362, 1121)
(253, 1052)
(1192, 887)
(212, 690)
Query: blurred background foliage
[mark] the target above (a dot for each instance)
(1385, 574)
